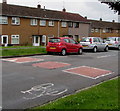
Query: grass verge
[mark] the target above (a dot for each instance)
(17, 52)
(103, 96)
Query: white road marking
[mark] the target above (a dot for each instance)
(42, 90)
(14, 60)
(106, 56)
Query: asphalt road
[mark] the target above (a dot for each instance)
(25, 86)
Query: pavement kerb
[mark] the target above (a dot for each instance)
(22, 55)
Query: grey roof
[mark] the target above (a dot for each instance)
(22, 11)
(104, 24)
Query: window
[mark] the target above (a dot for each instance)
(67, 40)
(92, 30)
(15, 39)
(104, 30)
(51, 23)
(96, 30)
(72, 41)
(44, 38)
(64, 24)
(16, 20)
(70, 24)
(42, 22)
(53, 40)
(3, 20)
(33, 22)
(76, 25)
(117, 31)
(95, 40)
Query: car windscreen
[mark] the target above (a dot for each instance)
(54, 40)
(85, 39)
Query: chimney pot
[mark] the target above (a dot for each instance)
(113, 20)
(64, 10)
(5, 1)
(100, 19)
(38, 6)
(86, 17)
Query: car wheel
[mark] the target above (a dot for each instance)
(80, 51)
(106, 49)
(95, 49)
(63, 52)
(119, 47)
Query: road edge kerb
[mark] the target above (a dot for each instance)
(77, 91)
(22, 55)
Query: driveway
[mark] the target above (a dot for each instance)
(36, 80)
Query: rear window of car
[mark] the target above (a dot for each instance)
(111, 38)
(85, 39)
(54, 40)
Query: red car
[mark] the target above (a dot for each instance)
(63, 45)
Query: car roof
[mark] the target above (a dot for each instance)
(112, 37)
(91, 37)
(60, 37)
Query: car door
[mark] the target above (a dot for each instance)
(74, 46)
(102, 44)
(68, 45)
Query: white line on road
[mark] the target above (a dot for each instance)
(106, 56)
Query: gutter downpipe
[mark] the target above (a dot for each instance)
(58, 28)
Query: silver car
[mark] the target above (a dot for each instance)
(94, 43)
(113, 42)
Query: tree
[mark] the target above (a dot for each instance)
(114, 5)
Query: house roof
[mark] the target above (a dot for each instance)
(104, 24)
(22, 11)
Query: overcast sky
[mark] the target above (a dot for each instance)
(93, 9)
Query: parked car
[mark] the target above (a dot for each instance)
(113, 42)
(94, 43)
(63, 45)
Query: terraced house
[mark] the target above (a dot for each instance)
(105, 29)
(34, 26)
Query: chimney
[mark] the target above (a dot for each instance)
(85, 17)
(64, 10)
(5, 1)
(39, 6)
(100, 19)
(113, 21)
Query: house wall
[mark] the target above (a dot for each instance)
(82, 31)
(25, 30)
(104, 35)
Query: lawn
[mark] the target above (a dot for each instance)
(20, 51)
(102, 96)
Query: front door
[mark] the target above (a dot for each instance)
(36, 41)
(4, 39)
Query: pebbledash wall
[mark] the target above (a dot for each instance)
(34, 26)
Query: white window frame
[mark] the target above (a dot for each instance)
(16, 20)
(42, 22)
(15, 37)
(104, 31)
(51, 23)
(33, 22)
(3, 20)
(2, 39)
(92, 30)
(96, 30)
(63, 24)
